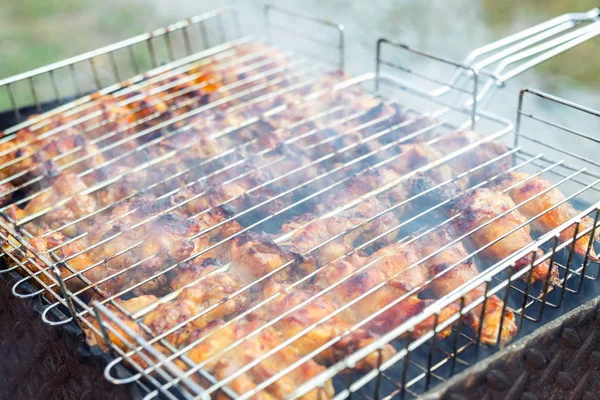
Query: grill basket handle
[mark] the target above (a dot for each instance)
(511, 56)
(524, 50)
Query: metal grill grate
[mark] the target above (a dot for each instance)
(111, 199)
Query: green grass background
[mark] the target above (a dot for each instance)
(37, 32)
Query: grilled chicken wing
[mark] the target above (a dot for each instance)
(61, 204)
(486, 151)
(217, 337)
(198, 304)
(170, 239)
(321, 312)
(480, 206)
(418, 155)
(116, 334)
(536, 196)
(434, 185)
(426, 189)
(59, 142)
(304, 239)
(451, 268)
(255, 256)
(46, 241)
(375, 179)
(396, 270)
(88, 270)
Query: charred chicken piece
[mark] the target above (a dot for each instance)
(116, 334)
(115, 238)
(104, 275)
(254, 256)
(304, 237)
(212, 290)
(217, 337)
(46, 241)
(130, 184)
(418, 155)
(339, 234)
(172, 239)
(537, 196)
(62, 204)
(455, 269)
(115, 232)
(119, 338)
(312, 312)
(167, 241)
(480, 206)
(378, 226)
(396, 267)
(408, 183)
(36, 146)
(487, 150)
(362, 184)
(199, 198)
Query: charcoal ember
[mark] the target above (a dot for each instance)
(498, 380)
(564, 380)
(561, 361)
(535, 358)
(571, 338)
(594, 360)
(589, 396)
(530, 396)
(456, 396)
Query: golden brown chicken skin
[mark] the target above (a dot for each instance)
(479, 206)
(254, 256)
(420, 155)
(217, 337)
(119, 338)
(204, 288)
(63, 203)
(452, 268)
(77, 266)
(486, 151)
(382, 223)
(411, 191)
(321, 311)
(303, 238)
(59, 141)
(374, 180)
(113, 237)
(536, 196)
(386, 276)
(116, 334)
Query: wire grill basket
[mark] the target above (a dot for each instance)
(233, 92)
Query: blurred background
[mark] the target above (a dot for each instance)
(34, 33)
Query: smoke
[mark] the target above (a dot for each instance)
(433, 26)
(449, 30)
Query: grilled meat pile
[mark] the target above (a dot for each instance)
(250, 198)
